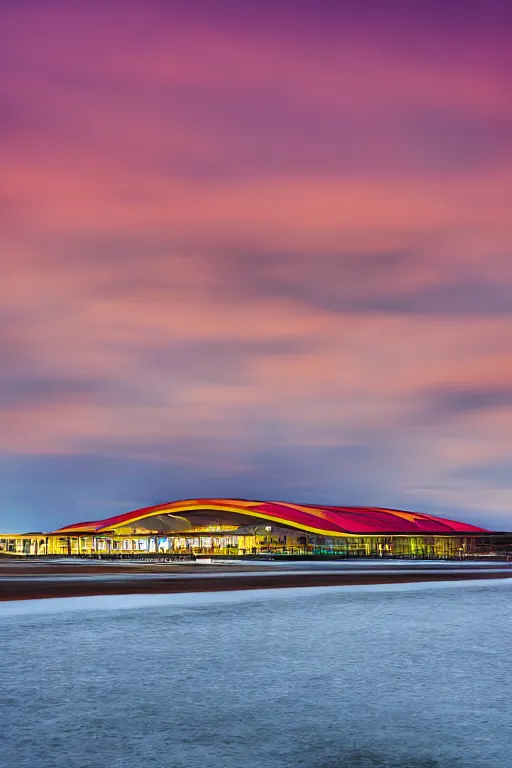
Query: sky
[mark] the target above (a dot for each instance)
(255, 250)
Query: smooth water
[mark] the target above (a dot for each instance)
(403, 676)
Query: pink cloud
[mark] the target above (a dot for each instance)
(229, 243)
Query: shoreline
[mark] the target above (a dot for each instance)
(23, 587)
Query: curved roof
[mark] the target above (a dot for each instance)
(324, 520)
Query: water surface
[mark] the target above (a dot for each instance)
(401, 676)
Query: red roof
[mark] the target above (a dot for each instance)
(325, 520)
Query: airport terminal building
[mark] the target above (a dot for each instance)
(241, 527)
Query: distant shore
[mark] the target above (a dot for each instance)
(20, 581)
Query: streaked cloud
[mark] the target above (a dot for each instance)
(261, 259)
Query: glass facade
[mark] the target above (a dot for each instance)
(270, 542)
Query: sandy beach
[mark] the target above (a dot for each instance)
(36, 580)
